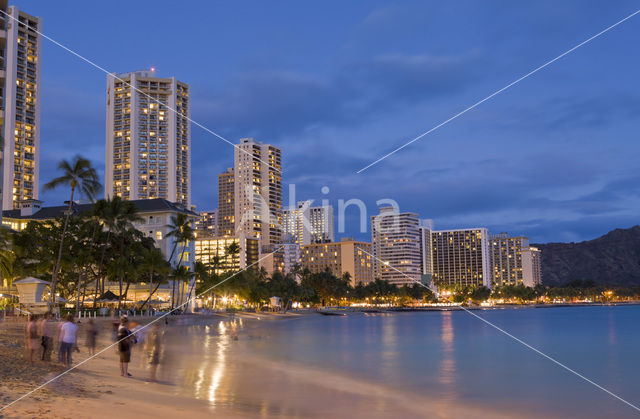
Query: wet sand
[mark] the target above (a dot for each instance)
(214, 373)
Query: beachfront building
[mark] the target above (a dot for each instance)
(292, 254)
(226, 203)
(396, 240)
(307, 224)
(346, 256)
(426, 251)
(21, 74)
(148, 136)
(207, 223)
(155, 217)
(513, 262)
(536, 265)
(258, 192)
(219, 257)
(461, 257)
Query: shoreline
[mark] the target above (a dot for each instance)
(96, 390)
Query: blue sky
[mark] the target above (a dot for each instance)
(338, 84)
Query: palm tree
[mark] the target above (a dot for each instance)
(7, 256)
(182, 232)
(181, 274)
(80, 175)
(153, 263)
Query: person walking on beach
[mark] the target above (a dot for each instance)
(92, 333)
(31, 337)
(125, 340)
(154, 348)
(67, 337)
(46, 330)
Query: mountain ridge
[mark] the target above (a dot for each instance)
(611, 259)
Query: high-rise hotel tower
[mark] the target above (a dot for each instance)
(148, 137)
(258, 191)
(21, 102)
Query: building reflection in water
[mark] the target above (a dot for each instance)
(447, 370)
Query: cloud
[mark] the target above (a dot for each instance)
(281, 105)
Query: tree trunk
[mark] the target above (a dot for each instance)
(54, 276)
(78, 293)
(121, 271)
(149, 298)
(173, 284)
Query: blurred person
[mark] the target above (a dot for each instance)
(91, 334)
(46, 329)
(31, 337)
(154, 348)
(68, 332)
(126, 339)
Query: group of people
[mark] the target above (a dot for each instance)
(45, 334)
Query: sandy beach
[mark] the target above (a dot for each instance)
(223, 374)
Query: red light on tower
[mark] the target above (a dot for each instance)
(153, 69)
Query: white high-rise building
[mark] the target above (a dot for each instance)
(461, 257)
(396, 240)
(258, 192)
(22, 87)
(307, 224)
(148, 137)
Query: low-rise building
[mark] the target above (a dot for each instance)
(155, 222)
(347, 255)
(218, 253)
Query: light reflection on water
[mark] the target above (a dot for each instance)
(410, 363)
(447, 370)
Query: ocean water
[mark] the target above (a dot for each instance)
(429, 364)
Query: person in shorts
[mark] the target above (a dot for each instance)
(125, 340)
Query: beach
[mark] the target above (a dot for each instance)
(442, 365)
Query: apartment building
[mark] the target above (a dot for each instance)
(148, 137)
(22, 65)
(307, 224)
(461, 257)
(258, 192)
(226, 203)
(347, 255)
(396, 240)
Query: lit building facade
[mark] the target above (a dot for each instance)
(514, 261)
(258, 192)
(148, 138)
(155, 222)
(307, 224)
(536, 265)
(292, 255)
(22, 64)
(207, 223)
(461, 257)
(214, 253)
(396, 240)
(344, 256)
(226, 203)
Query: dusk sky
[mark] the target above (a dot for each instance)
(337, 85)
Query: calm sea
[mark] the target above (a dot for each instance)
(433, 364)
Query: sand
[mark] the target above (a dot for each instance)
(250, 386)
